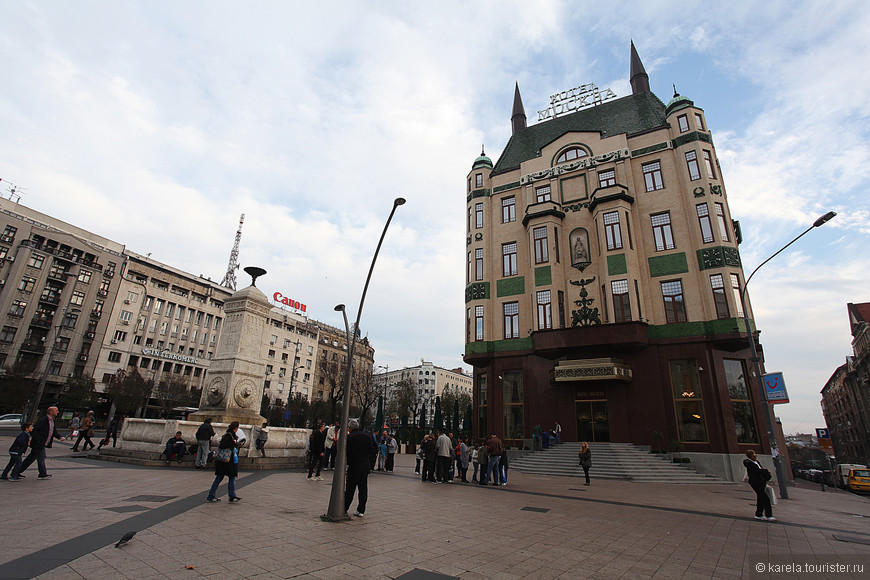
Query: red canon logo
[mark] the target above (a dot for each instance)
(278, 297)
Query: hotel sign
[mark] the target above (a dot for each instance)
(278, 297)
(168, 355)
(575, 99)
(774, 384)
(593, 369)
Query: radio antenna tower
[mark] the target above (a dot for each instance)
(229, 280)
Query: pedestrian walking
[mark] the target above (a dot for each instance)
(74, 424)
(43, 434)
(226, 464)
(112, 431)
(203, 442)
(16, 452)
(757, 477)
(86, 431)
(585, 460)
(260, 436)
(360, 450)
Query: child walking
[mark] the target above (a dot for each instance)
(16, 452)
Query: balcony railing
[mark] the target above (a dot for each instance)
(33, 347)
(41, 321)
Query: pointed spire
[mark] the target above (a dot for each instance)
(518, 117)
(637, 77)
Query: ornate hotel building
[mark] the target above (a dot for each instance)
(604, 280)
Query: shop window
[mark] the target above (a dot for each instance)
(513, 404)
(741, 402)
(688, 402)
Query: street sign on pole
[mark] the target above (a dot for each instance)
(824, 437)
(775, 388)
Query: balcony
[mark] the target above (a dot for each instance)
(50, 299)
(89, 335)
(96, 313)
(33, 347)
(102, 293)
(7, 239)
(42, 321)
(541, 209)
(60, 276)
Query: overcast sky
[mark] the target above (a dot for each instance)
(157, 124)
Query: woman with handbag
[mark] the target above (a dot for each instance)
(585, 460)
(226, 464)
(86, 431)
(757, 477)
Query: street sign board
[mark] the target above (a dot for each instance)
(775, 388)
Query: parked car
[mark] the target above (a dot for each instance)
(859, 480)
(11, 420)
(843, 470)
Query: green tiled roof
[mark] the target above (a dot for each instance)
(629, 115)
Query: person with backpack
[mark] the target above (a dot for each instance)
(203, 441)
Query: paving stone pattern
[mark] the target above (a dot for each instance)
(535, 527)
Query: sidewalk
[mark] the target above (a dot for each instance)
(536, 527)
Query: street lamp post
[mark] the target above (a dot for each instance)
(756, 361)
(336, 511)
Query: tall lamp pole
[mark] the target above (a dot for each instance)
(336, 511)
(756, 361)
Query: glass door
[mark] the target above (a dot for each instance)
(592, 423)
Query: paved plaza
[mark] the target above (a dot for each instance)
(536, 527)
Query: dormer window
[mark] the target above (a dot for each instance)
(571, 154)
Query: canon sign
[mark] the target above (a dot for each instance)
(278, 297)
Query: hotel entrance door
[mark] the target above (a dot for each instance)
(592, 422)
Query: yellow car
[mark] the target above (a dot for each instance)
(859, 480)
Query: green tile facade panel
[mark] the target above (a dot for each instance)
(703, 328)
(543, 276)
(616, 265)
(510, 345)
(718, 257)
(511, 286)
(668, 265)
(477, 291)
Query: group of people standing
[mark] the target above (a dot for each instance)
(445, 458)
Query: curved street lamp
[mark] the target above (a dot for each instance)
(336, 511)
(756, 361)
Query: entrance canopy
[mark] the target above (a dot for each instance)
(591, 369)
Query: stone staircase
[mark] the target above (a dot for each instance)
(613, 461)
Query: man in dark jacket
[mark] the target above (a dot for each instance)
(360, 450)
(44, 432)
(203, 440)
(316, 446)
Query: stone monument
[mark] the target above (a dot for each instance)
(234, 390)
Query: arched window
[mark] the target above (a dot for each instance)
(571, 154)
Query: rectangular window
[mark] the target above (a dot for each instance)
(478, 215)
(741, 403)
(69, 320)
(541, 253)
(675, 308)
(704, 220)
(720, 220)
(719, 299)
(509, 262)
(27, 284)
(612, 231)
(513, 404)
(621, 302)
(735, 291)
(77, 298)
(511, 319)
(478, 264)
(661, 226)
(652, 176)
(542, 194)
(508, 209)
(158, 306)
(120, 335)
(699, 120)
(606, 178)
(478, 180)
(114, 357)
(468, 274)
(9, 234)
(170, 308)
(8, 334)
(545, 310)
(708, 162)
(561, 298)
(17, 308)
(688, 404)
(683, 120)
(478, 323)
(692, 164)
(35, 261)
(164, 328)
